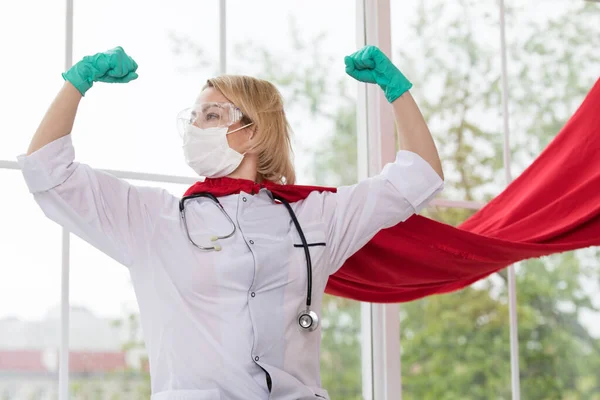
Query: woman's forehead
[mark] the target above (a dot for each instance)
(211, 95)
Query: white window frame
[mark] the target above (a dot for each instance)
(376, 137)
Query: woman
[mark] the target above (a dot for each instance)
(235, 323)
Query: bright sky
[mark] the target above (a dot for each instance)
(132, 127)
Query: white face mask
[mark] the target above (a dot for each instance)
(207, 152)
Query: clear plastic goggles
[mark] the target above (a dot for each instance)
(208, 115)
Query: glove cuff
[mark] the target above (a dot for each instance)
(73, 75)
(397, 88)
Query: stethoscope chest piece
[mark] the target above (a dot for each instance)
(308, 320)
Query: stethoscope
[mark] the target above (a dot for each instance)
(308, 320)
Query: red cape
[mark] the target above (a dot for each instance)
(554, 206)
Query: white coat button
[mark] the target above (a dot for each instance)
(256, 358)
(244, 199)
(252, 294)
(251, 242)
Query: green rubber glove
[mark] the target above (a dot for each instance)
(370, 65)
(112, 66)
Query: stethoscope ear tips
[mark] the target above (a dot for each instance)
(214, 238)
(218, 247)
(308, 320)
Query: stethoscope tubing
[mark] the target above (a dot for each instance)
(310, 314)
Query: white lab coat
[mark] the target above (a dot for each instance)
(214, 322)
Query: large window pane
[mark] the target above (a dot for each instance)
(107, 353)
(302, 52)
(552, 65)
(461, 338)
(450, 51)
(30, 273)
(554, 62)
(559, 326)
(32, 40)
(135, 123)
(299, 48)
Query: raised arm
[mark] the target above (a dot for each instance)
(109, 213)
(372, 66)
(413, 133)
(59, 118)
(356, 213)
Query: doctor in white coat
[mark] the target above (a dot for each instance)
(224, 324)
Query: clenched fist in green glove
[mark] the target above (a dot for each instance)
(370, 65)
(112, 66)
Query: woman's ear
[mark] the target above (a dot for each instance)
(251, 139)
(252, 130)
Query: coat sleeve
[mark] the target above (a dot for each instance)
(354, 214)
(109, 213)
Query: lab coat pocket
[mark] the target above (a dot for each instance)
(314, 234)
(207, 394)
(317, 245)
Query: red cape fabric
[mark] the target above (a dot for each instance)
(554, 206)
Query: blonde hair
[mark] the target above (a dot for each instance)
(262, 104)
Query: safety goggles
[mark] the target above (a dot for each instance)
(208, 115)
